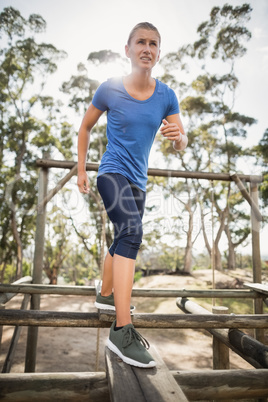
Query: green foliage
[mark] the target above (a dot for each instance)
(262, 152)
(137, 276)
(24, 68)
(223, 35)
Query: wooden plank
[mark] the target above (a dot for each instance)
(223, 384)
(9, 292)
(121, 380)
(143, 385)
(56, 387)
(91, 320)
(258, 287)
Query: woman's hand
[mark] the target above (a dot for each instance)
(82, 182)
(171, 131)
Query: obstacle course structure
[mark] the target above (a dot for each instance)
(121, 382)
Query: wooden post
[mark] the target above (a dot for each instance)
(220, 350)
(31, 347)
(256, 255)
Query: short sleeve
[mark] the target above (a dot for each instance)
(100, 97)
(173, 107)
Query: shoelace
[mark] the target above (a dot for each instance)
(131, 334)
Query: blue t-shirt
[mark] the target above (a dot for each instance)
(131, 127)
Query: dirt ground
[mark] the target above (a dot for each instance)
(75, 349)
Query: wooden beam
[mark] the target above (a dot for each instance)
(90, 386)
(90, 291)
(133, 384)
(58, 187)
(78, 319)
(223, 384)
(56, 387)
(247, 196)
(154, 172)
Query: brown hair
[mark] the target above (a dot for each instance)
(143, 25)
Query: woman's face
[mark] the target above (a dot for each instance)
(143, 49)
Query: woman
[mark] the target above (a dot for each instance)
(136, 107)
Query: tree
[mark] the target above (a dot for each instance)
(24, 68)
(207, 103)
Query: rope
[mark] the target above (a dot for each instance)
(213, 242)
(103, 213)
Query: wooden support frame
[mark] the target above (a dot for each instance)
(43, 198)
(91, 291)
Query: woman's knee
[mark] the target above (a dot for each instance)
(129, 241)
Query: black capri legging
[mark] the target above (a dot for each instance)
(124, 203)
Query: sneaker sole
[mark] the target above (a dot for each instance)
(127, 360)
(104, 306)
(108, 307)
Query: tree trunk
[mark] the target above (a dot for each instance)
(231, 250)
(54, 278)
(218, 262)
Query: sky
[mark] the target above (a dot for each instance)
(83, 26)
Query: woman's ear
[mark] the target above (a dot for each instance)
(158, 57)
(127, 50)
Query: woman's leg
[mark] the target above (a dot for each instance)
(123, 275)
(124, 204)
(107, 276)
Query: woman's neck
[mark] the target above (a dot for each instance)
(140, 81)
(140, 87)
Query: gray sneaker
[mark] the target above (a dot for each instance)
(130, 346)
(107, 302)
